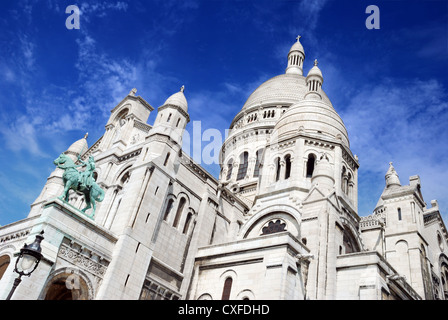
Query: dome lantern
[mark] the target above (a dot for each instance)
(314, 81)
(296, 56)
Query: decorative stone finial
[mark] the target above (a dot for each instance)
(86, 135)
(315, 62)
(133, 92)
(182, 89)
(392, 178)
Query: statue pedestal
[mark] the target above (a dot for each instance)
(76, 251)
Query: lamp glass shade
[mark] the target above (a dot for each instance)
(27, 262)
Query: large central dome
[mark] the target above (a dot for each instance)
(285, 89)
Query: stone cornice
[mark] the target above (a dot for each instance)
(182, 111)
(134, 98)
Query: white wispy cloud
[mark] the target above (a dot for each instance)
(404, 122)
(100, 9)
(48, 110)
(21, 135)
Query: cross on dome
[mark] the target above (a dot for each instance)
(298, 37)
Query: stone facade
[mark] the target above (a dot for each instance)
(280, 222)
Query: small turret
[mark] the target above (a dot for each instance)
(392, 177)
(314, 81)
(172, 117)
(296, 56)
(323, 174)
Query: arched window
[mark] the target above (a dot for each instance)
(287, 166)
(187, 223)
(257, 163)
(169, 206)
(399, 214)
(180, 208)
(242, 169)
(349, 242)
(343, 177)
(277, 169)
(178, 121)
(4, 263)
(227, 288)
(169, 118)
(348, 185)
(310, 165)
(273, 227)
(229, 169)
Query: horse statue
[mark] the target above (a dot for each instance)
(80, 181)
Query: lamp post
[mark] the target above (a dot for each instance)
(27, 261)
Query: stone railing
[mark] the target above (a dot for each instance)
(371, 222)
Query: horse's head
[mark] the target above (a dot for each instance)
(61, 159)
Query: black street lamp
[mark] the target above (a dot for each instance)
(29, 257)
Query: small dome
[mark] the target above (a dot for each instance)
(78, 147)
(283, 89)
(178, 99)
(315, 117)
(392, 177)
(297, 46)
(315, 71)
(314, 81)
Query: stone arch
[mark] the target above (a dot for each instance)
(290, 215)
(443, 269)
(258, 161)
(229, 168)
(5, 261)
(228, 273)
(182, 205)
(168, 206)
(119, 178)
(401, 246)
(205, 296)
(350, 241)
(243, 165)
(227, 282)
(310, 164)
(121, 114)
(351, 236)
(185, 195)
(67, 284)
(245, 294)
(288, 165)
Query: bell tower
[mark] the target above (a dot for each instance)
(122, 120)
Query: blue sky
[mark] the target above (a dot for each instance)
(388, 85)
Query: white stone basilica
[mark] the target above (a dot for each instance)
(280, 223)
